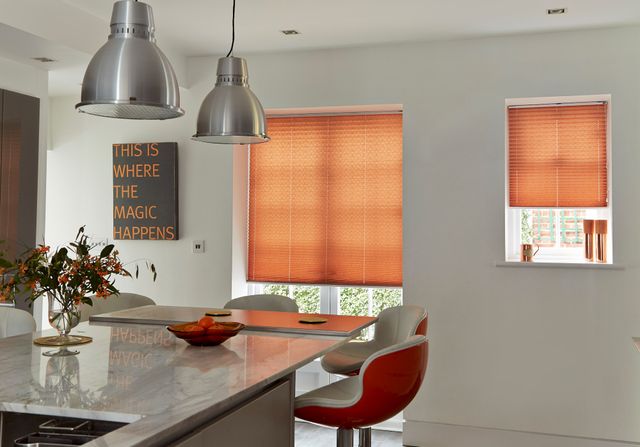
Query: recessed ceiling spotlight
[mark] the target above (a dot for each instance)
(289, 32)
(555, 11)
(43, 59)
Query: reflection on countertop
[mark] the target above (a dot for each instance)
(132, 372)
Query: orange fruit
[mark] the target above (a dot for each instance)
(191, 328)
(206, 322)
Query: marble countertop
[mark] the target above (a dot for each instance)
(144, 376)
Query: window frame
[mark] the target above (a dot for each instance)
(329, 294)
(512, 214)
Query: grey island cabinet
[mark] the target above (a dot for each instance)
(156, 390)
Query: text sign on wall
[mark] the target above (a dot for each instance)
(145, 191)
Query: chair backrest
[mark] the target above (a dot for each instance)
(15, 322)
(113, 303)
(390, 379)
(388, 382)
(396, 324)
(276, 303)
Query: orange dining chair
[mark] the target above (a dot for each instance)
(387, 383)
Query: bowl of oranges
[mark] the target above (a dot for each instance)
(206, 331)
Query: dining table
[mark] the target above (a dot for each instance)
(157, 390)
(254, 320)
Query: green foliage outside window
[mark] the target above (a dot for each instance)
(277, 289)
(526, 231)
(384, 298)
(306, 297)
(354, 301)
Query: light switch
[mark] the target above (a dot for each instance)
(198, 247)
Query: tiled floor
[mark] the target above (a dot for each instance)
(309, 435)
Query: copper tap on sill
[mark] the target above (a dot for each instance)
(589, 229)
(600, 243)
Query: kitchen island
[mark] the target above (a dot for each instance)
(165, 391)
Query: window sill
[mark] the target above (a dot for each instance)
(557, 264)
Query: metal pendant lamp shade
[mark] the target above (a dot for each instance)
(231, 113)
(130, 77)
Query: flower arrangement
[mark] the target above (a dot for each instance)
(71, 273)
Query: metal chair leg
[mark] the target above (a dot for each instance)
(365, 437)
(345, 437)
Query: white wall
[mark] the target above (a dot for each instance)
(540, 350)
(32, 81)
(79, 193)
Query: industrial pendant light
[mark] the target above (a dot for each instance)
(231, 113)
(129, 77)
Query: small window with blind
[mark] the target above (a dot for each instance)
(325, 201)
(558, 175)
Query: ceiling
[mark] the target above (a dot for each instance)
(202, 27)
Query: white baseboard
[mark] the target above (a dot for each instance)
(431, 434)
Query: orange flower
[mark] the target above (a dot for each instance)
(63, 279)
(102, 293)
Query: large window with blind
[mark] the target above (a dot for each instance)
(558, 174)
(325, 212)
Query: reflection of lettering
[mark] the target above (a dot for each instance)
(120, 381)
(152, 233)
(141, 336)
(133, 359)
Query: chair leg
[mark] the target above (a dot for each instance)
(365, 437)
(345, 437)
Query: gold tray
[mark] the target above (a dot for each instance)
(313, 320)
(218, 313)
(56, 340)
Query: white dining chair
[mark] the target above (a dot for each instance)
(395, 325)
(278, 303)
(15, 322)
(113, 303)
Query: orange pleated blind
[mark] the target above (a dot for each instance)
(325, 201)
(558, 156)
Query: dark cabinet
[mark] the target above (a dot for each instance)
(19, 138)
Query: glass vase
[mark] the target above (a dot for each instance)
(64, 315)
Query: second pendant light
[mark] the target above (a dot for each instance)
(231, 113)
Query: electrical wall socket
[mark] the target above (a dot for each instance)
(198, 247)
(99, 241)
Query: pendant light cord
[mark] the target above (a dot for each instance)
(233, 28)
